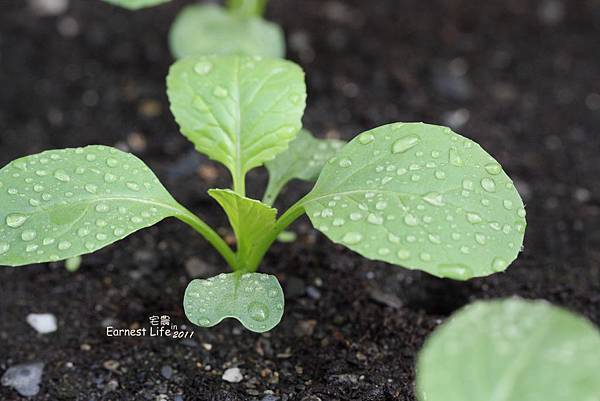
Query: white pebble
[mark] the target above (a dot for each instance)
(43, 323)
(233, 375)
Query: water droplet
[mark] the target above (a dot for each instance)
(203, 67)
(91, 188)
(102, 207)
(411, 220)
(488, 184)
(221, 92)
(383, 251)
(34, 202)
(28, 235)
(521, 212)
(474, 218)
(338, 222)
(381, 205)
(493, 168)
(258, 311)
(425, 257)
(118, 232)
(82, 232)
(203, 322)
(366, 138)
(64, 245)
(355, 216)
(404, 144)
(508, 205)
(440, 175)
(454, 158)
(38, 188)
(352, 238)
(31, 248)
(480, 238)
(455, 271)
(403, 254)
(435, 239)
(374, 219)
(90, 157)
(434, 198)
(133, 186)
(48, 241)
(4, 247)
(15, 220)
(61, 175)
(499, 264)
(345, 163)
(108, 177)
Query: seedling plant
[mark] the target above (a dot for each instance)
(411, 194)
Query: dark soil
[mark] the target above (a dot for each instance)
(520, 77)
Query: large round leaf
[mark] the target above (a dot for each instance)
(63, 203)
(208, 29)
(422, 197)
(511, 350)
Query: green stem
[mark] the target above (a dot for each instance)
(210, 235)
(247, 8)
(239, 183)
(285, 220)
(272, 191)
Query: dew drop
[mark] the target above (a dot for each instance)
(64, 245)
(102, 207)
(521, 212)
(374, 219)
(508, 205)
(15, 220)
(28, 235)
(345, 163)
(411, 220)
(455, 271)
(133, 186)
(493, 168)
(366, 138)
(488, 184)
(403, 254)
(498, 264)
(434, 198)
(474, 218)
(220, 92)
(404, 144)
(355, 216)
(91, 188)
(454, 158)
(203, 67)
(90, 157)
(203, 322)
(480, 238)
(258, 311)
(61, 175)
(352, 238)
(338, 222)
(4, 247)
(108, 177)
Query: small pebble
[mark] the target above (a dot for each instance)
(24, 378)
(233, 375)
(166, 372)
(43, 323)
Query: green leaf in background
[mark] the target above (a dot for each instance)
(63, 203)
(136, 4)
(511, 350)
(238, 110)
(250, 219)
(209, 29)
(422, 197)
(255, 299)
(304, 159)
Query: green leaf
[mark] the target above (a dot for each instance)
(422, 197)
(238, 110)
(210, 29)
(304, 159)
(63, 203)
(511, 350)
(136, 4)
(255, 299)
(251, 220)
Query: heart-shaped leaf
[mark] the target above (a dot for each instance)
(64, 203)
(511, 350)
(251, 220)
(304, 159)
(255, 299)
(204, 29)
(238, 110)
(136, 4)
(422, 197)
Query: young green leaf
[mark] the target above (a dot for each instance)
(250, 219)
(304, 159)
(63, 203)
(511, 350)
(238, 110)
(255, 299)
(422, 197)
(136, 4)
(203, 29)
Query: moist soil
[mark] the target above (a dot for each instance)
(520, 77)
